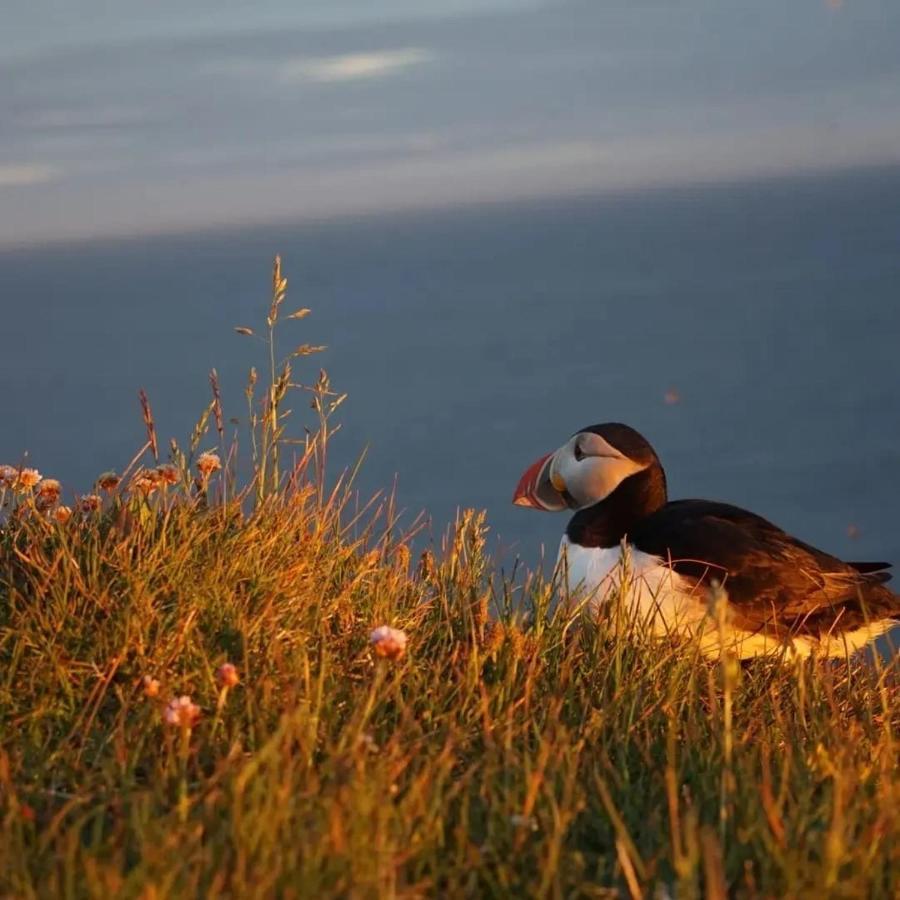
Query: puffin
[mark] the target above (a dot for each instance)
(697, 568)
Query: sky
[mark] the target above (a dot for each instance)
(125, 117)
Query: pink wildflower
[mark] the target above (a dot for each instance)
(181, 712)
(90, 503)
(227, 675)
(207, 463)
(62, 514)
(108, 481)
(26, 479)
(388, 642)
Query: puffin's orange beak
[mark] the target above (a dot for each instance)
(535, 489)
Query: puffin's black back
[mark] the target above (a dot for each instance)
(772, 578)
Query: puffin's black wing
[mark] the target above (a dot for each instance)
(773, 580)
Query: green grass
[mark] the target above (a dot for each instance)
(507, 753)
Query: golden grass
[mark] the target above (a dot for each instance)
(505, 752)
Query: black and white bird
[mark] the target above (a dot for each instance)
(675, 557)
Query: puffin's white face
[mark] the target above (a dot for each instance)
(584, 471)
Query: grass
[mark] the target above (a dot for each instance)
(507, 752)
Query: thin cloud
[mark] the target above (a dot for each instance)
(84, 118)
(25, 174)
(353, 66)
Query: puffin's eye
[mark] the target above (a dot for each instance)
(579, 453)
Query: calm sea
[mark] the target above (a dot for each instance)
(472, 341)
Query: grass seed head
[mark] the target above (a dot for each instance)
(401, 558)
(427, 566)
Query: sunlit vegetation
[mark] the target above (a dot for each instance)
(215, 687)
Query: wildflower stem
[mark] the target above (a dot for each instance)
(184, 749)
(220, 705)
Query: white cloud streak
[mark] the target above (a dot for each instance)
(26, 174)
(353, 66)
(444, 178)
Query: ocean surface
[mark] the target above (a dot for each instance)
(751, 332)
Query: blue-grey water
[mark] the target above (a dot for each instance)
(472, 341)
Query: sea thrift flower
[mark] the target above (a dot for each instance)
(142, 484)
(90, 503)
(108, 481)
(62, 514)
(181, 712)
(227, 675)
(151, 687)
(207, 463)
(27, 478)
(167, 474)
(388, 642)
(49, 490)
(8, 476)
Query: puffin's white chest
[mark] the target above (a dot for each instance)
(653, 594)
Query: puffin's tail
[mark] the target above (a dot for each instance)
(876, 572)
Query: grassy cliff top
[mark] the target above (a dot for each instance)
(193, 703)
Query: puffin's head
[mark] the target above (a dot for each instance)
(588, 468)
